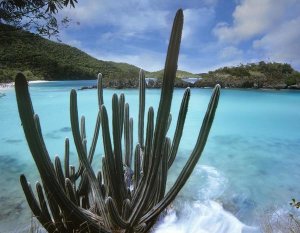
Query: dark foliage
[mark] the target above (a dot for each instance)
(275, 69)
(35, 15)
(40, 58)
(253, 75)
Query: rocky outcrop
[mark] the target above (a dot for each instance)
(295, 86)
(224, 81)
(245, 82)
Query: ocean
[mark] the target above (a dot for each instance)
(246, 177)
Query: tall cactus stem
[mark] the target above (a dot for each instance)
(67, 158)
(142, 85)
(179, 127)
(100, 91)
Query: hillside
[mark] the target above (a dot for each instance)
(253, 75)
(40, 58)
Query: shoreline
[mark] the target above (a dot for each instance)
(5, 86)
(157, 85)
(9, 85)
(270, 88)
(38, 81)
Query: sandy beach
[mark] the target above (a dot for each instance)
(5, 86)
(38, 81)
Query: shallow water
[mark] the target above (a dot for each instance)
(250, 163)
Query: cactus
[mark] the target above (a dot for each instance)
(130, 192)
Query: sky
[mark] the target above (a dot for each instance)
(216, 33)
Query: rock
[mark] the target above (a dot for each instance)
(153, 83)
(182, 84)
(294, 87)
(87, 87)
(247, 84)
(280, 86)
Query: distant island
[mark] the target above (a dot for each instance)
(42, 59)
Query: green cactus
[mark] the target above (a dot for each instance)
(122, 197)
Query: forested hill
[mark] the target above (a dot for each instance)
(40, 58)
(253, 75)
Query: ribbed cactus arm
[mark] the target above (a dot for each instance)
(84, 181)
(70, 191)
(41, 157)
(116, 218)
(31, 200)
(149, 141)
(67, 158)
(95, 138)
(121, 111)
(163, 171)
(166, 94)
(117, 134)
(42, 201)
(110, 161)
(168, 82)
(113, 201)
(192, 161)
(163, 113)
(118, 162)
(145, 156)
(100, 91)
(130, 140)
(142, 85)
(179, 127)
(59, 172)
(137, 166)
(84, 160)
(127, 135)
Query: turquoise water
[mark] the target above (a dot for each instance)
(250, 163)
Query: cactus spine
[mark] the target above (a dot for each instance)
(122, 197)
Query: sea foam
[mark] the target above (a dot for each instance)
(197, 211)
(202, 217)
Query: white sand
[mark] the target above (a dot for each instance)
(5, 86)
(38, 81)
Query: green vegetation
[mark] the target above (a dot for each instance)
(293, 79)
(271, 69)
(257, 75)
(295, 203)
(36, 15)
(39, 58)
(122, 197)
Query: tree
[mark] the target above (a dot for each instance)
(39, 16)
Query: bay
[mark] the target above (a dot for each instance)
(249, 166)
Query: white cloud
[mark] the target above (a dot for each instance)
(145, 59)
(203, 64)
(252, 18)
(230, 52)
(270, 26)
(283, 43)
(195, 20)
(127, 16)
(137, 32)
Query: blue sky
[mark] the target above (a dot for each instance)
(216, 33)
